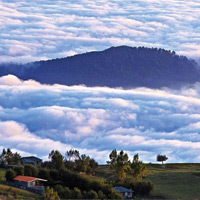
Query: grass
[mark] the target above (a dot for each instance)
(94, 178)
(105, 172)
(10, 192)
(175, 181)
(2, 174)
(171, 181)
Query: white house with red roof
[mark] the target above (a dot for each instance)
(28, 182)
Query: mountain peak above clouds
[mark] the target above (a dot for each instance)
(122, 66)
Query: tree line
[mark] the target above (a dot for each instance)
(64, 174)
(7, 157)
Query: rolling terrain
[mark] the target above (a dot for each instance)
(171, 181)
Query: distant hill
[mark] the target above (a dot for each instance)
(114, 67)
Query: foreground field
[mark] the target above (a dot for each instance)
(171, 181)
(178, 181)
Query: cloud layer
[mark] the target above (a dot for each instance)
(49, 29)
(98, 120)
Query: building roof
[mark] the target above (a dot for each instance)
(122, 189)
(31, 159)
(27, 179)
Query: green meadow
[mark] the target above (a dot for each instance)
(171, 181)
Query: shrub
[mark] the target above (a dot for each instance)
(50, 194)
(84, 195)
(101, 195)
(92, 195)
(63, 192)
(143, 188)
(76, 193)
(19, 170)
(115, 195)
(67, 194)
(10, 174)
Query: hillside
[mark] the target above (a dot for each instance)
(114, 67)
(9, 192)
(171, 181)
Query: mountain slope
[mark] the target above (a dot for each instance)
(114, 67)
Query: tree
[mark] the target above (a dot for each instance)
(83, 163)
(138, 169)
(113, 158)
(44, 174)
(120, 163)
(10, 174)
(30, 170)
(93, 165)
(16, 159)
(162, 158)
(72, 155)
(3, 158)
(19, 170)
(56, 159)
(9, 158)
(6, 157)
(50, 194)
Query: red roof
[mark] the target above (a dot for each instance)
(27, 179)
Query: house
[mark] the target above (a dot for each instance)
(32, 160)
(30, 183)
(126, 193)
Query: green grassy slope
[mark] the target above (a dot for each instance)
(177, 181)
(14, 193)
(171, 181)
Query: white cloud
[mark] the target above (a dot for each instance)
(9, 80)
(50, 29)
(99, 119)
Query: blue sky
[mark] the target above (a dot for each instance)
(45, 29)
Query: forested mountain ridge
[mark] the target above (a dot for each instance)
(121, 66)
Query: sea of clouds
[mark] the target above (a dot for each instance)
(46, 29)
(37, 118)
